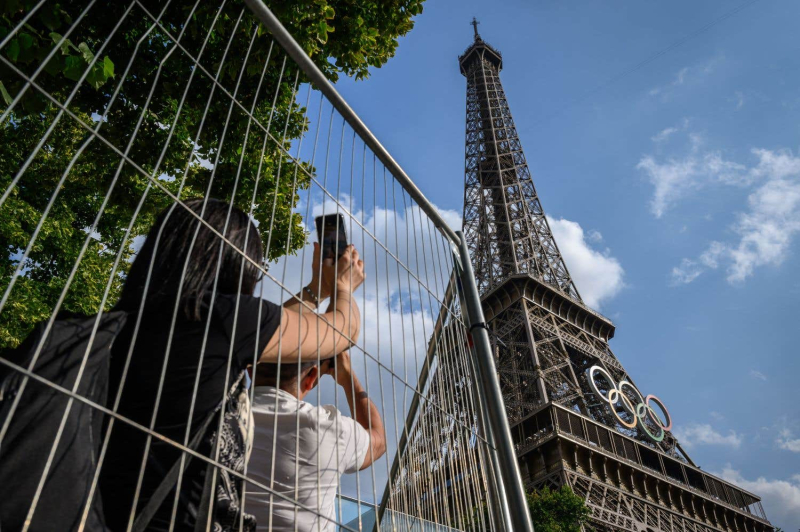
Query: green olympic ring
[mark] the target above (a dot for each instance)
(640, 412)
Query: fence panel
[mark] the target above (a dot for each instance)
(117, 112)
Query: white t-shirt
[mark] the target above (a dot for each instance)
(306, 469)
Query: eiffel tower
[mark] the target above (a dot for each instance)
(576, 416)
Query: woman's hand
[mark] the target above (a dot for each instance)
(349, 271)
(322, 335)
(323, 274)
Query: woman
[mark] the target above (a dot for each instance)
(193, 329)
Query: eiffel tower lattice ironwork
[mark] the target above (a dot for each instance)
(546, 340)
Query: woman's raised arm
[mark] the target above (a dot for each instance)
(308, 335)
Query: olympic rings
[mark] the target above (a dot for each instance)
(640, 412)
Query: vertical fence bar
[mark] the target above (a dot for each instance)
(490, 387)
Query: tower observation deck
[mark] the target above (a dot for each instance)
(576, 415)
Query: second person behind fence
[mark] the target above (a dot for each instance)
(301, 450)
(194, 326)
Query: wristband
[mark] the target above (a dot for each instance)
(312, 295)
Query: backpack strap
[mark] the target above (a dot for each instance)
(170, 479)
(201, 522)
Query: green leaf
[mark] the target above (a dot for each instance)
(55, 65)
(25, 40)
(108, 67)
(6, 96)
(96, 78)
(329, 12)
(64, 45)
(13, 50)
(85, 52)
(322, 31)
(73, 67)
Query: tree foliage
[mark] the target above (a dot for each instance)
(550, 510)
(557, 510)
(165, 123)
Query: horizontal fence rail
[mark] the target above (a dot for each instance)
(168, 317)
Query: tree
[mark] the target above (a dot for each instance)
(557, 511)
(550, 510)
(135, 91)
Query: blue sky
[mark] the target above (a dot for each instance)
(674, 190)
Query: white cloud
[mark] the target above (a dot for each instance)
(781, 498)
(671, 180)
(686, 76)
(787, 442)
(597, 274)
(664, 134)
(766, 230)
(704, 434)
(710, 257)
(687, 272)
(680, 79)
(776, 164)
(758, 375)
(594, 236)
(674, 178)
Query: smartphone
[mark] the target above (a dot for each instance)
(331, 235)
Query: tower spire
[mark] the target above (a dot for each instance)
(504, 222)
(474, 24)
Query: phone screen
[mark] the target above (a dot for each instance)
(331, 235)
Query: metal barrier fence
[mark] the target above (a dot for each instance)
(116, 112)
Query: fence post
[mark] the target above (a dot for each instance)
(490, 388)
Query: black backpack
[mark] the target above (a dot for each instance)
(26, 449)
(28, 436)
